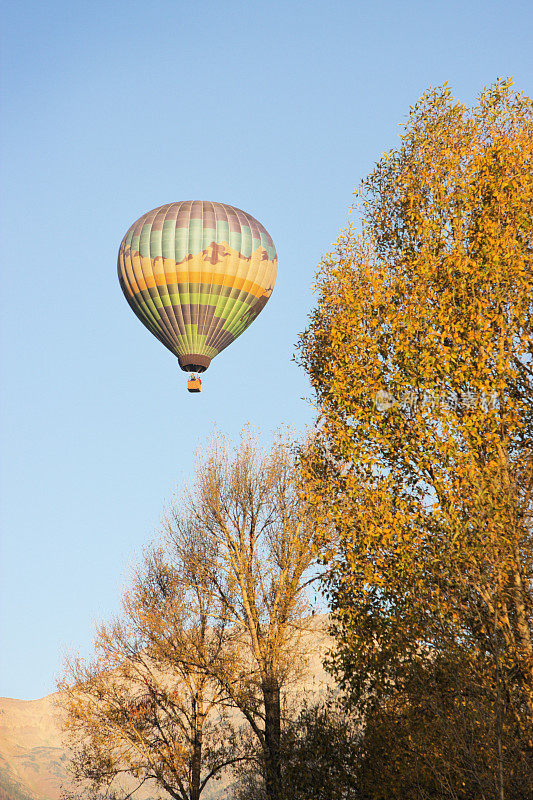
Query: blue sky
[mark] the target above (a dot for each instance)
(111, 109)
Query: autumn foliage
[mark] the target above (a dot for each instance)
(210, 636)
(420, 354)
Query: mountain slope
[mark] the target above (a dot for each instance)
(32, 757)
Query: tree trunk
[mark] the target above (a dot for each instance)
(499, 731)
(271, 699)
(524, 636)
(196, 757)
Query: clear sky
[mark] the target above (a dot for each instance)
(111, 109)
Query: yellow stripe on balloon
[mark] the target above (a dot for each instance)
(168, 278)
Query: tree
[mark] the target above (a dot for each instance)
(320, 754)
(321, 750)
(247, 509)
(140, 711)
(436, 736)
(420, 353)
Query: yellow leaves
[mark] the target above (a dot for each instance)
(432, 301)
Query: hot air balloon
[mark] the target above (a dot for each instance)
(197, 274)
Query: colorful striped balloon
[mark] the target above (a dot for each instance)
(197, 274)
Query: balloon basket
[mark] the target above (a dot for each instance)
(194, 385)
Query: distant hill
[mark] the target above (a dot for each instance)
(32, 756)
(33, 759)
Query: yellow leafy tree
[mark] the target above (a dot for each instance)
(246, 506)
(213, 633)
(420, 354)
(139, 714)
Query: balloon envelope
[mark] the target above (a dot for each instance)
(197, 274)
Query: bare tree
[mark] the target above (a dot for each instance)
(247, 509)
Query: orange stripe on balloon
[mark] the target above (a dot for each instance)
(213, 278)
